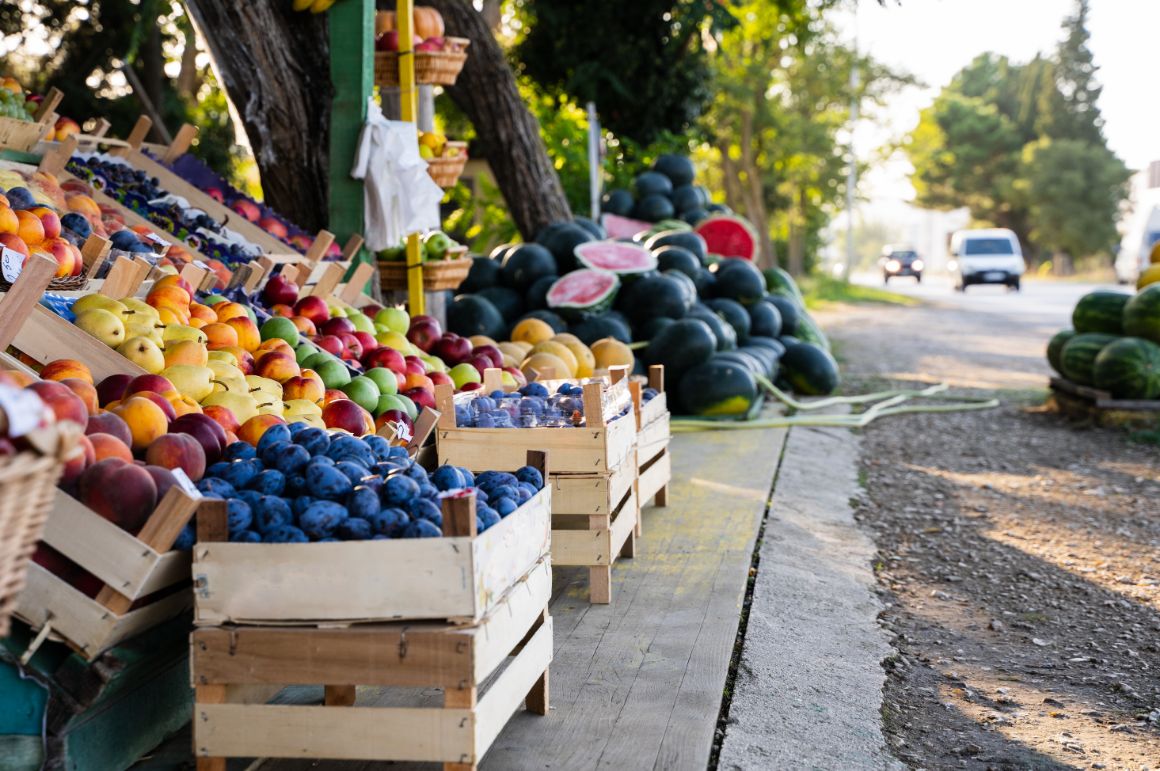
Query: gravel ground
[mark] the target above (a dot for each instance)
(1018, 556)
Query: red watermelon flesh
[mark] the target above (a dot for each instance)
(615, 257)
(622, 227)
(729, 236)
(584, 290)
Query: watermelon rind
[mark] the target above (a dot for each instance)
(566, 293)
(720, 387)
(1100, 311)
(622, 226)
(1129, 368)
(729, 236)
(615, 257)
(780, 279)
(1078, 357)
(1142, 314)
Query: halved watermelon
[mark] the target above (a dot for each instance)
(615, 257)
(729, 236)
(584, 290)
(622, 227)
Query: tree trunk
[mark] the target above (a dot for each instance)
(275, 67)
(753, 193)
(797, 235)
(509, 135)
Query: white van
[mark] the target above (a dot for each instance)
(988, 256)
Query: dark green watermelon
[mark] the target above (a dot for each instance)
(1055, 348)
(706, 282)
(550, 318)
(507, 301)
(1142, 314)
(652, 183)
(656, 296)
(1077, 359)
(762, 341)
(618, 202)
(726, 337)
(598, 232)
(739, 280)
(686, 284)
(651, 328)
(525, 264)
(561, 239)
(472, 314)
(807, 330)
(734, 313)
(755, 365)
(809, 369)
(695, 216)
(537, 295)
(678, 168)
(1100, 311)
(677, 258)
(596, 328)
(686, 239)
(778, 279)
(484, 272)
(764, 319)
(686, 198)
(681, 346)
(1129, 368)
(789, 311)
(653, 208)
(719, 387)
(769, 358)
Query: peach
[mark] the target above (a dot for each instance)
(85, 390)
(312, 375)
(220, 333)
(224, 417)
(169, 294)
(197, 323)
(162, 402)
(9, 222)
(186, 352)
(146, 419)
(122, 493)
(228, 310)
(303, 388)
(169, 314)
(83, 457)
(109, 446)
(208, 433)
(64, 404)
(60, 369)
(281, 309)
(14, 242)
(203, 312)
(313, 308)
(277, 366)
(417, 381)
(108, 423)
(348, 416)
(63, 252)
(304, 325)
(158, 384)
(83, 204)
(184, 405)
(251, 431)
(31, 229)
(163, 478)
(174, 279)
(48, 220)
(114, 388)
(331, 395)
(244, 358)
(249, 337)
(273, 344)
(178, 451)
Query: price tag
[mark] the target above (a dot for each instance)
(185, 484)
(11, 263)
(24, 410)
(157, 240)
(202, 265)
(401, 432)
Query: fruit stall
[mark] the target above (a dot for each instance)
(329, 465)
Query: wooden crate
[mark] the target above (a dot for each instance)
(461, 576)
(652, 442)
(235, 669)
(595, 540)
(132, 567)
(601, 446)
(1086, 403)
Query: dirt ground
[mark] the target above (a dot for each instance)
(1018, 554)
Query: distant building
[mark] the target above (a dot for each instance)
(1139, 223)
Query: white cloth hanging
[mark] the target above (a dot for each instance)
(399, 196)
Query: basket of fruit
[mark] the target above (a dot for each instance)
(32, 456)
(446, 166)
(19, 129)
(438, 59)
(445, 264)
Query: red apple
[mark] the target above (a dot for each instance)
(353, 347)
(421, 396)
(415, 365)
(345, 414)
(280, 291)
(385, 356)
(481, 363)
(330, 344)
(207, 431)
(471, 387)
(247, 209)
(216, 194)
(491, 352)
(337, 327)
(313, 308)
(452, 348)
(368, 341)
(274, 227)
(425, 331)
(440, 377)
(395, 417)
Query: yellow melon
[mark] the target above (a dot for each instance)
(532, 331)
(610, 352)
(544, 365)
(560, 351)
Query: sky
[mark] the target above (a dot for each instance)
(933, 39)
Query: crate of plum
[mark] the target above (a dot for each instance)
(323, 527)
(652, 443)
(588, 426)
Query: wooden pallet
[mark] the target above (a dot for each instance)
(652, 442)
(1086, 403)
(235, 669)
(132, 567)
(460, 577)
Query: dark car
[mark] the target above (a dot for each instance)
(900, 261)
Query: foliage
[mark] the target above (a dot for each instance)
(1022, 146)
(822, 291)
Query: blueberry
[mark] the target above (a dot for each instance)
(354, 471)
(379, 446)
(530, 475)
(485, 421)
(505, 506)
(286, 534)
(400, 490)
(186, 538)
(240, 515)
(272, 436)
(421, 508)
(241, 472)
(321, 519)
(649, 394)
(390, 522)
(386, 468)
(216, 469)
(269, 482)
(271, 513)
(246, 536)
(497, 394)
(216, 488)
(463, 416)
(421, 528)
(327, 482)
(354, 529)
(314, 440)
(301, 504)
(289, 458)
(362, 502)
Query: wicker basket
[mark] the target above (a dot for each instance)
(21, 135)
(437, 276)
(27, 484)
(432, 68)
(446, 170)
(65, 284)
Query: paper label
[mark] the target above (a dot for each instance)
(186, 484)
(157, 240)
(23, 408)
(11, 263)
(400, 431)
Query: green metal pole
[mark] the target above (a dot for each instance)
(352, 70)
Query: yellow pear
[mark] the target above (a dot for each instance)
(227, 377)
(296, 408)
(138, 306)
(103, 325)
(242, 405)
(144, 353)
(143, 326)
(177, 332)
(265, 385)
(92, 302)
(271, 407)
(191, 380)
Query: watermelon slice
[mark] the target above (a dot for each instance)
(622, 227)
(584, 290)
(615, 257)
(728, 235)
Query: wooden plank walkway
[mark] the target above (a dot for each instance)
(637, 684)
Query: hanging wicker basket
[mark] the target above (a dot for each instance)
(445, 170)
(432, 68)
(437, 276)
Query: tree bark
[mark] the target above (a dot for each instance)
(275, 67)
(509, 135)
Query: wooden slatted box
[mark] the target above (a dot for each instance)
(652, 443)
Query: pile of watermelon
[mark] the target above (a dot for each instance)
(1113, 345)
(718, 325)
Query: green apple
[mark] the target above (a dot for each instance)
(316, 359)
(336, 311)
(333, 372)
(408, 405)
(462, 374)
(363, 391)
(393, 402)
(394, 319)
(362, 322)
(282, 328)
(303, 352)
(214, 299)
(433, 363)
(384, 379)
